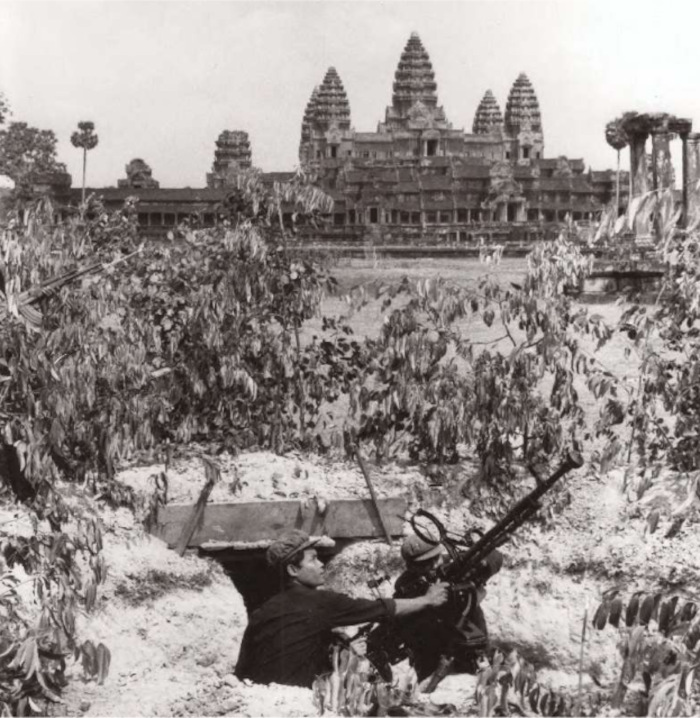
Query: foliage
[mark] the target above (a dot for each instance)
(85, 137)
(509, 686)
(26, 153)
(429, 387)
(660, 641)
(64, 570)
(615, 134)
(4, 108)
(347, 690)
(664, 408)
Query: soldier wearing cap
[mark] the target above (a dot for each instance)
(287, 639)
(430, 634)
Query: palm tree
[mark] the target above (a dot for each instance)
(87, 139)
(616, 137)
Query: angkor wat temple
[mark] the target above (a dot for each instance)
(415, 178)
(418, 174)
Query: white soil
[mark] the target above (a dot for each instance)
(174, 625)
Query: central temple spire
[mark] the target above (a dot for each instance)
(414, 80)
(414, 99)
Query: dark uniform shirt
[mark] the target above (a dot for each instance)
(431, 633)
(288, 637)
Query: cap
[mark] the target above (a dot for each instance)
(414, 548)
(287, 546)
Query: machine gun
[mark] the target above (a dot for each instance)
(467, 568)
(467, 562)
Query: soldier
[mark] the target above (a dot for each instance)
(288, 638)
(448, 629)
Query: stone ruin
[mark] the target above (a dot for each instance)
(658, 170)
(138, 176)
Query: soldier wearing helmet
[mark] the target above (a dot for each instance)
(429, 634)
(287, 639)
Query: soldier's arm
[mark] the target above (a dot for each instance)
(436, 595)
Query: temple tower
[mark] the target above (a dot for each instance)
(232, 154)
(325, 130)
(414, 99)
(523, 121)
(138, 176)
(488, 119)
(309, 115)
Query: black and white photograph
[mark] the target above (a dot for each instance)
(349, 358)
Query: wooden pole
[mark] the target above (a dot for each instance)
(372, 493)
(579, 697)
(212, 473)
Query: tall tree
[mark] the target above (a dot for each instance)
(26, 152)
(616, 137)
(85, 138)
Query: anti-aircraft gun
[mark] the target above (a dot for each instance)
(468, 567)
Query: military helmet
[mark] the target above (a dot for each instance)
(414, 548)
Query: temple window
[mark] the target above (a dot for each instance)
(168, 219)
(461, 215)
(507, 155)
(415, 217)
(143, 219)
(156, 219)
(445, 217)
(349, 153)
(373, 215)
(405, 217)
(537, 155)
(526, 153)
(394, 216)
(431, 217)
(431, 148)
(208, 220)
(318, 154)
(334, 151)
(339, 219)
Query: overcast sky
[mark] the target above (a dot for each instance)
(162, 79)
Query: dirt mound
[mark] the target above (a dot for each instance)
(267, 476)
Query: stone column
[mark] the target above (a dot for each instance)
(691, 172)
(638, 164)
(661, 159)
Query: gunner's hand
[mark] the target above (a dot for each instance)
(437, 594)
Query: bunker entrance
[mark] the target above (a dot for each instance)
(238, 534)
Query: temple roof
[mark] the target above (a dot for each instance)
(414, 79)
(522, 108)
(332, 106)
(488, 117)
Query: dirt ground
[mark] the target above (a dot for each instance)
(174, 625)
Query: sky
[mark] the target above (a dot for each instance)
(161, 79)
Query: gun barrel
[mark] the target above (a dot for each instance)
(521, 512)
